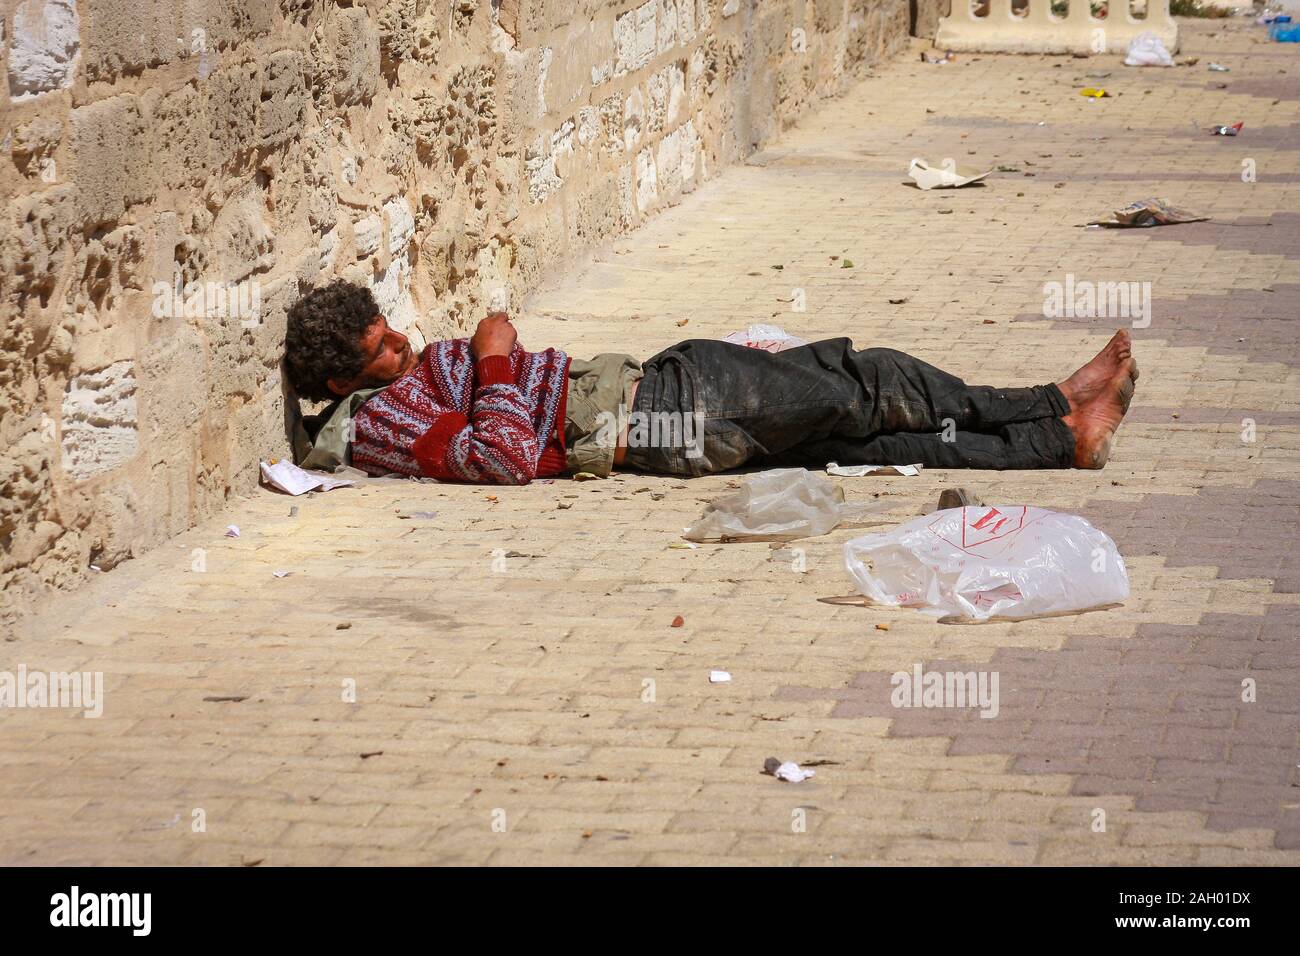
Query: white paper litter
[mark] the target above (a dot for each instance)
(232, 531)
(289, 478)
(719, 677)
(790, 771)
(281, 574)
(861, 471)
(948, 175)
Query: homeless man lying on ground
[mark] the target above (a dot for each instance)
(484, 410)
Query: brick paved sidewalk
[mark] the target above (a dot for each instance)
(542, 709)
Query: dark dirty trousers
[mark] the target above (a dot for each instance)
(827, 402)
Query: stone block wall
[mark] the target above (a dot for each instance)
(176, 172)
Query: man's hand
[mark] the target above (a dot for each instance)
(494, 336)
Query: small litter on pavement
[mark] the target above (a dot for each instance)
(419, 515)
(957, 498)
(788, 771)
(719, 677)
(948, 57)
(1232, 130)
(281, 574)
(1219, 68)
(232, 531)
(1001, 562)
(861, 471)
(289, 478)
(1094, 93)
(164, 824)
(946, 176)
(1148, 212)
(1146, 49)
(778, 505)
(769, 338)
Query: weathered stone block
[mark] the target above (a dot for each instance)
(666, 25)
(686, 31)
(126, 36)
(539, 165)
(355, 46)
(647, 187)
(669, 165)
(570, 72)
(634, 119)
(234, 94)
(401, 225)
(635, 38)
(175, 384)
(367, 232)
(689, 141)
(283, 105)
(241, 241)
(116, 521)
(44, 46)
(33, 254)
(111, 169)
(100, 430)
(180, 127)
(223, 24)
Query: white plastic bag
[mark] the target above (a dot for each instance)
(769, 338)
(1006, 561)
(1147, 49)
(778, 505)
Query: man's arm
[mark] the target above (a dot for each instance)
(496, 443)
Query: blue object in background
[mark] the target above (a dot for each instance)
(1284, 31)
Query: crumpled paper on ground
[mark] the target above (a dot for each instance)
(861, 471)
(789, 771)
(778, 505)
(291, 479)
(945, 176)
(1148, 212)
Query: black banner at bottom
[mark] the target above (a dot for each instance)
(337, 906)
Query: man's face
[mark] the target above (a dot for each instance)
(388, 356)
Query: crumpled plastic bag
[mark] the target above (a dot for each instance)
(978, 563)
(783, 504)
(1147, 49)
(769, 338)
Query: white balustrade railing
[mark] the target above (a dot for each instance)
(1034, 28)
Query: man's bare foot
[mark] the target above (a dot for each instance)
(1085, 384)
(1094, 423)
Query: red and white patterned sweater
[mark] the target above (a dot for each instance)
(492, 421)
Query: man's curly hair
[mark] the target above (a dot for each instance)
(324, 335)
